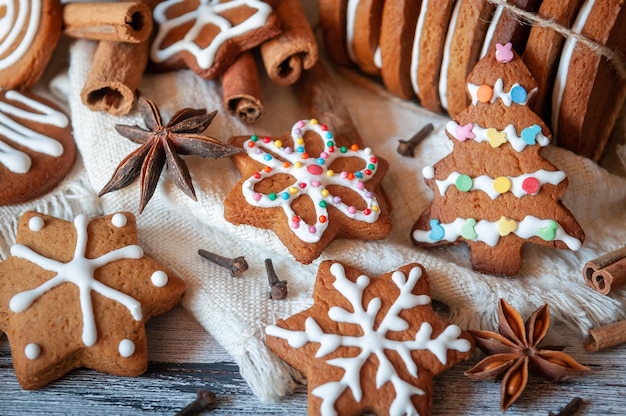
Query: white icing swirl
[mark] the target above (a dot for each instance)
(18, 25)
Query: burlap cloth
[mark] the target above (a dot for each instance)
(235, 311)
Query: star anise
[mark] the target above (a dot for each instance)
(162, 144)
(514, 351)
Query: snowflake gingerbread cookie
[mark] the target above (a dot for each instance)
(308, 188)
(78, 294)
(208, 35)
(369, 344)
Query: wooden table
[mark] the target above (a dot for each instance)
(184, 357)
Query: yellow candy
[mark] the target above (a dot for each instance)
(325, 193)
(330, 173)
(300, 140)
(314, 121)
(496, 138)
(278, 143)
(502, 184)
(293, 190)
(506, 226)
(297, 165)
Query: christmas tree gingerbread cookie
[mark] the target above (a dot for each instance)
(495, 191)
(369, 345)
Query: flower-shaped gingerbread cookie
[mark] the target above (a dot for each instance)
(208, 35)
(369, 344)
(309, 189)
(78, 294)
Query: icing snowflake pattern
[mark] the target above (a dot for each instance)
(207, 13)
(79, 271)
(374, 340)
(312, 177)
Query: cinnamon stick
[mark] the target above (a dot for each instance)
(606, 272)
(115, 21)
(294, 50)
(242, 89)
(606, 336)
(114, 76)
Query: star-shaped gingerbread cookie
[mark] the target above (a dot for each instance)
(78, 294)
(369, 344)
(309, 187)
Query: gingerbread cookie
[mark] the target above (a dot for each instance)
(29, 31)
(369, 344)
(78, 294)
(207, 36)
(309, 188)
(588, 89)
(543, 49)
(495, 191)
(37, 147)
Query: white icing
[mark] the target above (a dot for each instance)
(79, 271)
(207, 13)
(486, 184)
(445, 62)
(428, 172)
(32, 351)
(415, 53)
(126, 348)
(566, 56)
(119, 220)
(15, 160)
(378, 58)
(159, 278)
(19, 20)
(493, 25)
(488, 232)
(36, 224)
(498, 92)
(309, 183)
(373, 342)
(512, 137)
(350, 24)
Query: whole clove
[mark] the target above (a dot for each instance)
(203, 400)
(570, 409)
(236, 266)
(406, 147)
(278, 288)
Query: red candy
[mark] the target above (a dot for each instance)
(530, 185)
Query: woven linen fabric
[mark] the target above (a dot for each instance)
(236, 310)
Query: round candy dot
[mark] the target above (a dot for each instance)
(484, 93)
(266, 139)
(32, 351)
(293, 190)
(354, 147)
(285, 195)
(256, 196)
(360, 185)
(254, 138)
(305, 155)
(325, 193)
(300, 123)
(518, 94)
(251, 144)
(336, 199)
(312, 229)
(428, 172)
(159, 278)
(352, 210)
(256, 175)
(371, 166)
(267, 157)
(258, 151)
(322, 219)
(302, 185)
(288, 150)
(295, 225)
(530, 185)
(343, 149)
(369, 195)
(323, 204)
(367, 172)
(330, 172)
(278, 143)
(267, 169)
(502, 184)
(35, 224)
(315, 169)
(297, 165)
(464, 183)
(344, 174)
(119, 220)
(300, 149)
(367, 211)
(316, 183)
(286, 165)
(330, 143)
(272, 196)
(314, 121)
(126, 348)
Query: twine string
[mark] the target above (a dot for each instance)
(615, 58)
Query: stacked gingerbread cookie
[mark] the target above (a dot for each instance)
(425, 50)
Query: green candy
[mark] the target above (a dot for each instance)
(464, 183)
(467, 231)
(548, 233)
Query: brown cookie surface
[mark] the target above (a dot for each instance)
(74, 295)
(309, 188)
(29, 33)
(208, 36)
(38, 149)
(495, 191)
(369, 345)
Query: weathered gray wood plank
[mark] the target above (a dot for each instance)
(183, 358)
